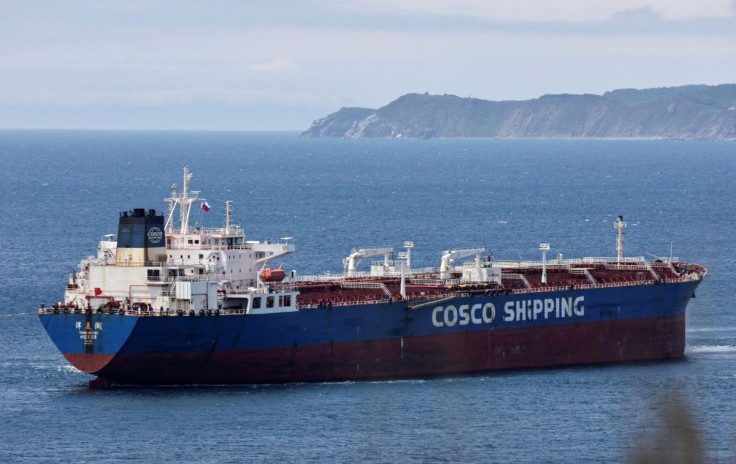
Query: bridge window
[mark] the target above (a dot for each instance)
(256, 302)
(269, 302)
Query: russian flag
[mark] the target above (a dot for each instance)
(206, 207)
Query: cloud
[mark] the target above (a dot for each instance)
(231, 67)
(337, 55)
(278, 64)
(639, 15)
(540, 10)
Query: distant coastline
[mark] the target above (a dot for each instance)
(694, 112)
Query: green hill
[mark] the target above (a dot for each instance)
(694, 112)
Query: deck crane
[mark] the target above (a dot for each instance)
(351, 262)
(449, 256)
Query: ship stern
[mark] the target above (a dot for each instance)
(89, 341)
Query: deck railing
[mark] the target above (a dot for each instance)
(465, 292)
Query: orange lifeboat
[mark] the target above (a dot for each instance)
(272, 275)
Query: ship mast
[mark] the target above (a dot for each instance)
(184, 200)
(170, 214)
(403, 258)
(620, 225)
(544, 248)
(228, 215)
(409, 246)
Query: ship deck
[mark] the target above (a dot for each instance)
(515, 278)
(424, 286)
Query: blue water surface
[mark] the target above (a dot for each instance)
(64, 189)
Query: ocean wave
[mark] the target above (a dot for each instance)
(398, 381)
(712, 349)
(711, 329)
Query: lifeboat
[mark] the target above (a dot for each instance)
(272, 275)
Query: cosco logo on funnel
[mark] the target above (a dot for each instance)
(449, 316)
(155, 235)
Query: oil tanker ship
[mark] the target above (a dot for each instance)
(167, 304)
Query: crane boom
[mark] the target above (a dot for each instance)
(448, 257)
(351, 262)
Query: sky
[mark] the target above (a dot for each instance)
(280, 64)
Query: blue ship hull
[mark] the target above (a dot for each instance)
(463, 334)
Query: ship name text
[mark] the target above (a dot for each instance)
(547, 308)
(87, 334)
(449, 316)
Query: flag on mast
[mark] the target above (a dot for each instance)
(206, 207)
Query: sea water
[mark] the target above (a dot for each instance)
(62, 190)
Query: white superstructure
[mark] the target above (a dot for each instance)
(199, 269)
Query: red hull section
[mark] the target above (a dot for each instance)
(452, 353)
(89, 363)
